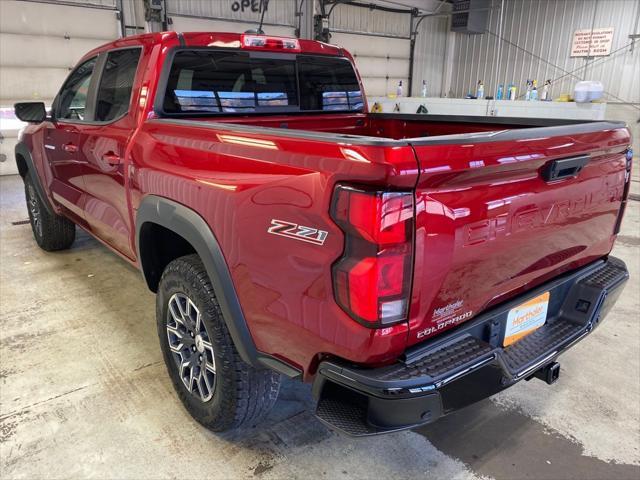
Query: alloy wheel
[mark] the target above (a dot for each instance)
(34, 210)
(191, 347)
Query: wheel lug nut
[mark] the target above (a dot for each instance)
(193, 347)
(192, 335)
(200, 357)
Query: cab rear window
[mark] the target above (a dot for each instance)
(213, 81)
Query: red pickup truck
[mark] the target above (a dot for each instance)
(406, 265)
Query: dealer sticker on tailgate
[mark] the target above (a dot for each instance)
(525, 318)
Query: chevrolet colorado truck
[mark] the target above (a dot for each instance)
(405, 265)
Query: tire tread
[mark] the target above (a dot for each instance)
(58, 233)
(254, 390)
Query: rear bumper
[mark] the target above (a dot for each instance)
(468, 364)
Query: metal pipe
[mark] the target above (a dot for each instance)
(412, 51)
(370, 6)
(370, 34)
(498, 54)
(123, 29)
(381, 57)
(165, 16)
(593, 25)
(74, 4)
(232, 20)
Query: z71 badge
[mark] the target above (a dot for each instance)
(297, 232)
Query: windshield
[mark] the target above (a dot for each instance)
(213, 81)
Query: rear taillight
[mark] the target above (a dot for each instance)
(372, 280)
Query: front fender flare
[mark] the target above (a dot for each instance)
(22, 151)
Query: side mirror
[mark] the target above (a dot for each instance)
(32, 112)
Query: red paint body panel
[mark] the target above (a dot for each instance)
(284, 286)
(487, 225)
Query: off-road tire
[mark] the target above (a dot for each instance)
(242, 395)
(52, 232)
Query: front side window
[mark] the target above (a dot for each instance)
(73, 96)
(116, 84)
(213, 81)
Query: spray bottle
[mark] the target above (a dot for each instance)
(480, 91)
(399, 89)
(512, 91)
(534, 90)
(500, 92)
(527, 95)
(424, 88)
(545, 91)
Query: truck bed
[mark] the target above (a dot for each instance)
(418, 128)
(488, 226)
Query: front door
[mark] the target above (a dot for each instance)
(62, 138)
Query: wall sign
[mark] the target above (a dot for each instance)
(255, 6)
(592, 43)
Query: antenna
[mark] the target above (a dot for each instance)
(265, 5)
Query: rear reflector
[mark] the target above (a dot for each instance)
(372, 280)
(263, 42)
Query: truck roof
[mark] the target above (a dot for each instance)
(217, 39)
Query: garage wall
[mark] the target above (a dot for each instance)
(39, 43)
(229, 16)
(432, 41)
(544, 28)
(379, 42)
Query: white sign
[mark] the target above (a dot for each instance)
(592, 43)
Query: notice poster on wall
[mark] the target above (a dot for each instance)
(592, 43)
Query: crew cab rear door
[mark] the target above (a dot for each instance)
(498, 213)
(102, 146)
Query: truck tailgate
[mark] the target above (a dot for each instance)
(492, 220)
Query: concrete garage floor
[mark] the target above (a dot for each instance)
(84, 393)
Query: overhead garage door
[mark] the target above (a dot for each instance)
(231, 16)
(379, 41)
(39, 43)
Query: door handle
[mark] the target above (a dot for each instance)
(564, 168)
(70, 147)
(111, 158)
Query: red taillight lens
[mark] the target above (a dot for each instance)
(372, 280)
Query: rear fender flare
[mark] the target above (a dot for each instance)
(194, 229)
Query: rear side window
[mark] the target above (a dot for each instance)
(116, 84)
(213, 81)
(72, 101)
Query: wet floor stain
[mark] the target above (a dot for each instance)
(261, 468)
(506, 444)
(628, 240)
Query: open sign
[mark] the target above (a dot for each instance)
(255, 6)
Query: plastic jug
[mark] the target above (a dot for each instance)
(588, 91)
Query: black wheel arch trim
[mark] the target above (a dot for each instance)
(21, 150)
(194, 229)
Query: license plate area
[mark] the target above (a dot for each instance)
(526, 318)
